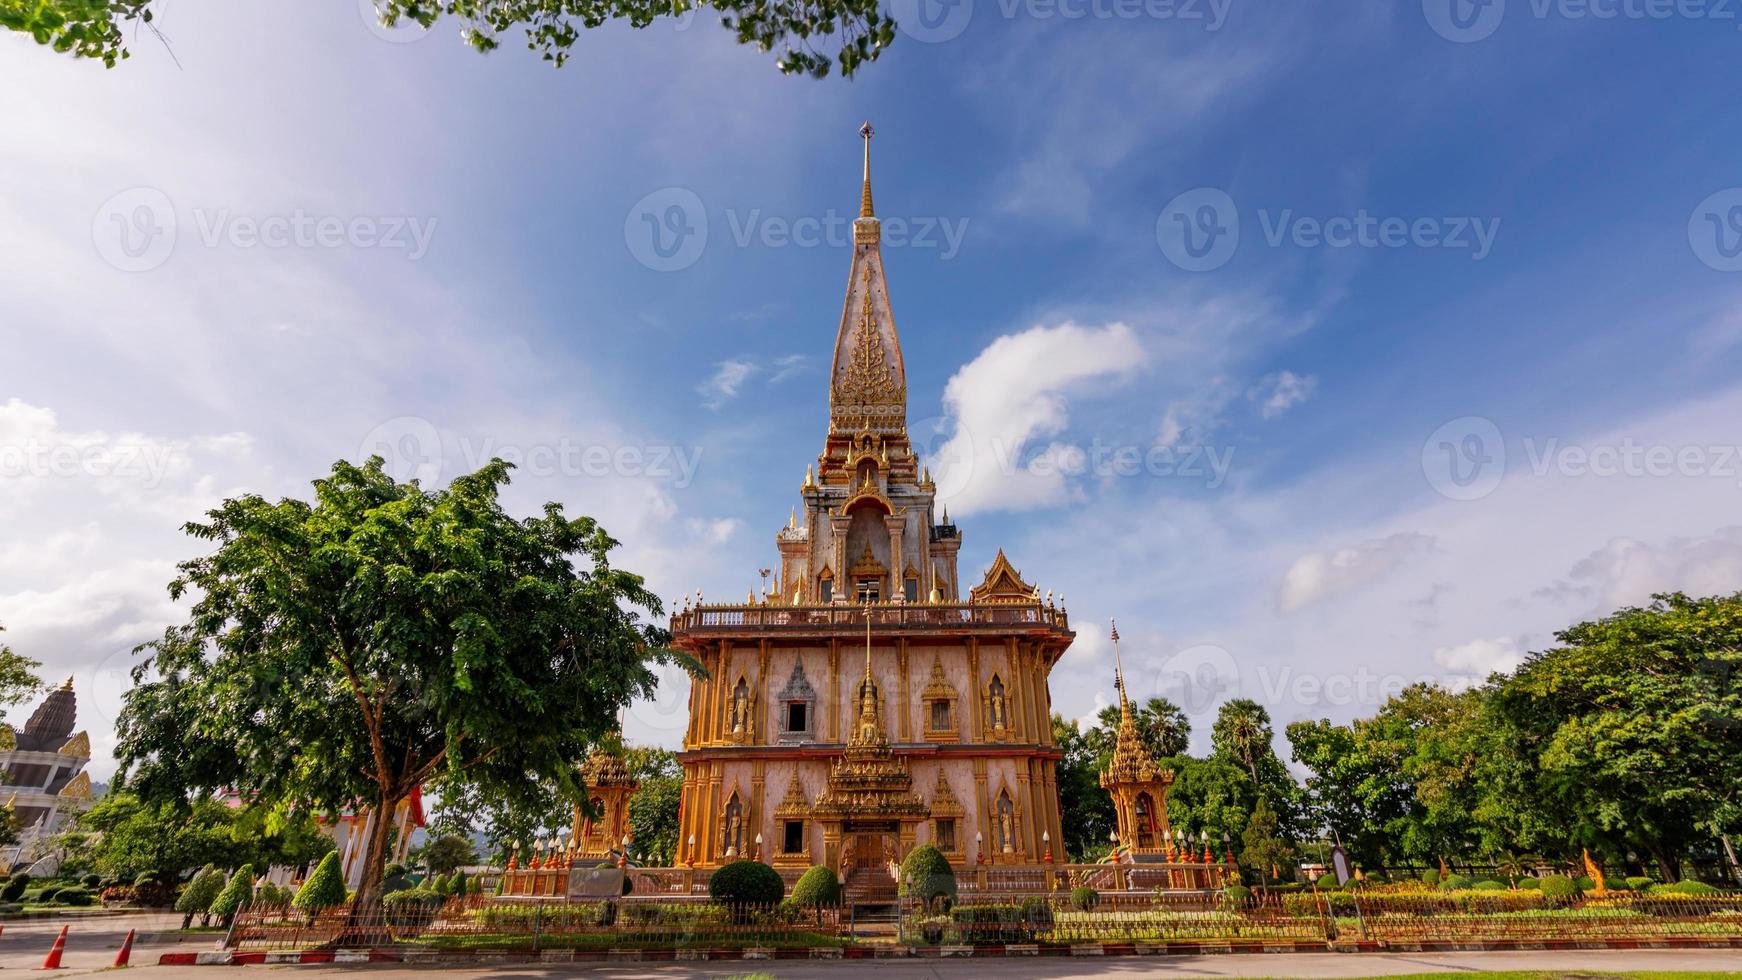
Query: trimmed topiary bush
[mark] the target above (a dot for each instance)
(1237, 896)
(324, 889)
(457, 885)
(1530, 884)
(15, 887)
(1585, 883)
(1431, 877)
(1558, 891)
(236, 894)
(1489, 885)
(1639, 884)
(74, 895)
(1085, 899)
(926, 877)
(817, 888)
(1454, 883)
(1327, 882)
(91, 881)
(746, 883)
(197, 897)
(1688, 887)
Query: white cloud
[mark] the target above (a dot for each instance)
(1015, 392)
(1626, 570)
(1477, 659)
(727, 380)
(1277, 393)
(1324, 575)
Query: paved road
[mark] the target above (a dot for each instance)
(92, 944)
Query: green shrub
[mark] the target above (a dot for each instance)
(10, 908)
(927, 877)
(1455, 883)
(91, 881)
(1085, 899)
(817, 888)
(198, 896)
(49, 894)
(14, 888)
(1430, 877)
(1001, 923)
(1640, 884)
(1558, 891)
(1585, 884)
(146, 878)
(743, 883)
(323, 889)
(1489, 885)
(1238, 896)
(1327, 882)
(74, 895)
(1530, 884)
(1689, 887)
(1037, 913)
(458, 886)
(236, 893)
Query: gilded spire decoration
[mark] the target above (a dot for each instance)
(1131, 762)
(865, 209)
(867, 380)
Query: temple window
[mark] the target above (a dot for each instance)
(869, 590)
(826, 588)
(799, 701)
(792, 837)
(940, 716)
(910, 589)
(946, 835)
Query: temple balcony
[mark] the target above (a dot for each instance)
(887, 618)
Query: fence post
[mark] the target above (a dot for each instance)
(1360, 915)
(537, 926)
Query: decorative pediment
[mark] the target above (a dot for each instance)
(79, 788)
(798, 686)
(938, 687)
(1003, 584)
(79, 746)
(868, 566)
(943, 800)
(794, 805)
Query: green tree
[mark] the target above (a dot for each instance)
(1242, 736)
(130, 836)
(653, 810)
(235, 896)
(1354, 791)
(323, 889)
(350, 649)
(197, 897)
(1085, 807)
(18, 677)
(1261, 848)
(1633, 727)
(1161, 725)
(858, 29)
(444, 855)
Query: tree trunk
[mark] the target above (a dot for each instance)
(366, 910)
(1671, 872)
(1730, 852)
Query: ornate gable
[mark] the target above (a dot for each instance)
(794, 805)
(943, 800)
(79, 746)
(1003, 584)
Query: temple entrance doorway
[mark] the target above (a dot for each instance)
(865, 865)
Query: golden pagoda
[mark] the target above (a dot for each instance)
(1138, 786)
(944, 734)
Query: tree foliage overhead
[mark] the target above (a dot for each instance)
(810, 36)
(18, 677)
(344, 651)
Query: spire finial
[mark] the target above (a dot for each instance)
(865, 209)
(1119, 672)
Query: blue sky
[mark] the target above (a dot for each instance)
(1328, 562)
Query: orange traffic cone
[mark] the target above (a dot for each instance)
(60, 945)
(126, 949)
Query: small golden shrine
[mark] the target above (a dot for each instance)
(1137, 785)
(610, 787)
